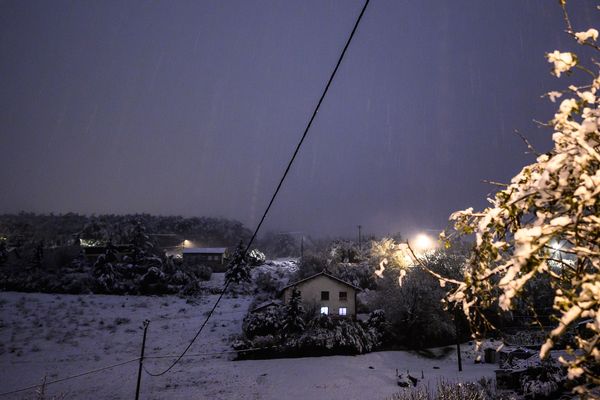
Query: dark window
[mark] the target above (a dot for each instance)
(343, 296)
(324, 295)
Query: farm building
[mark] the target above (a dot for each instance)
(213, 257)
(330, 295)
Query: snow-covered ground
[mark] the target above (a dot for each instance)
(62, 335)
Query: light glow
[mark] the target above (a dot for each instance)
(325, 310)
(423, 243)
(555, 246)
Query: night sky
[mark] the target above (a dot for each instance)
(194, 107)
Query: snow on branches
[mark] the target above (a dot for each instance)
(547, 222)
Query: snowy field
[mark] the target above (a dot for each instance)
(62, 335)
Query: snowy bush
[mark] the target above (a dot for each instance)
(546, 222)
(267, 322)
(345, 251)
(543, 383)
(326, 336)
(359, 274)
(201, 272)
(453, 391)
(255, 258)
(153, 282)
(273, 331)
(414, 311)
(265, 283)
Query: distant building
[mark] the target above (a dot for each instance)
(265, 306)
(213, 257)
(330, 295)
(93, 252)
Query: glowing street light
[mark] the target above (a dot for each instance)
(423, 242)
(555, 246)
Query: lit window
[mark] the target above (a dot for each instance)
(343, 296)
(325, 310)
(342, 310)
(324, 295)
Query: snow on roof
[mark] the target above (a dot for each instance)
(204, 250)
(325, 273)
(266, 304)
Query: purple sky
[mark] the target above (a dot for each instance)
(194, 107)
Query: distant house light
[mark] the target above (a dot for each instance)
(91, 243)
(342, 311)
(325, 310)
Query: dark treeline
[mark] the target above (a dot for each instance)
(65, 229)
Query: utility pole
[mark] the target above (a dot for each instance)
(139, 378)
(359, 237)
(457, 340)
(302, 248)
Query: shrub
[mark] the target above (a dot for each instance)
(265, 283)
(268, 322)
(454, 391)
(201, 272)
(414, 309)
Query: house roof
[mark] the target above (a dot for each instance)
(266, 304)
(324, 273)
(204, 250)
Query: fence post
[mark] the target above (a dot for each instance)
(139, 378)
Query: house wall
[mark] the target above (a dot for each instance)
(310, 292)
(203, 259)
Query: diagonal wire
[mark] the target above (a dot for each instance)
(314, 114)
(285, 173)
(70, 377)
(194, 338)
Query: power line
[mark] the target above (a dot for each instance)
(273, 197)
(214, 353)
(279, 185)
(70, 377)
(314, 114)
(194, 338)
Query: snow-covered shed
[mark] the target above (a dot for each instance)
(266, 305)
(213, 257)
(329, 294)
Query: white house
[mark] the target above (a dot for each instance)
(330, 295)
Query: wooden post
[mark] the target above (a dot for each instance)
(457, 341)
(139, 378)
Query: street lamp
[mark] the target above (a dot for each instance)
(423, 243)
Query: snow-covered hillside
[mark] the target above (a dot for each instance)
(63, 335)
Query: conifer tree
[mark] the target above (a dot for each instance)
(293, 313)
(238, 269)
